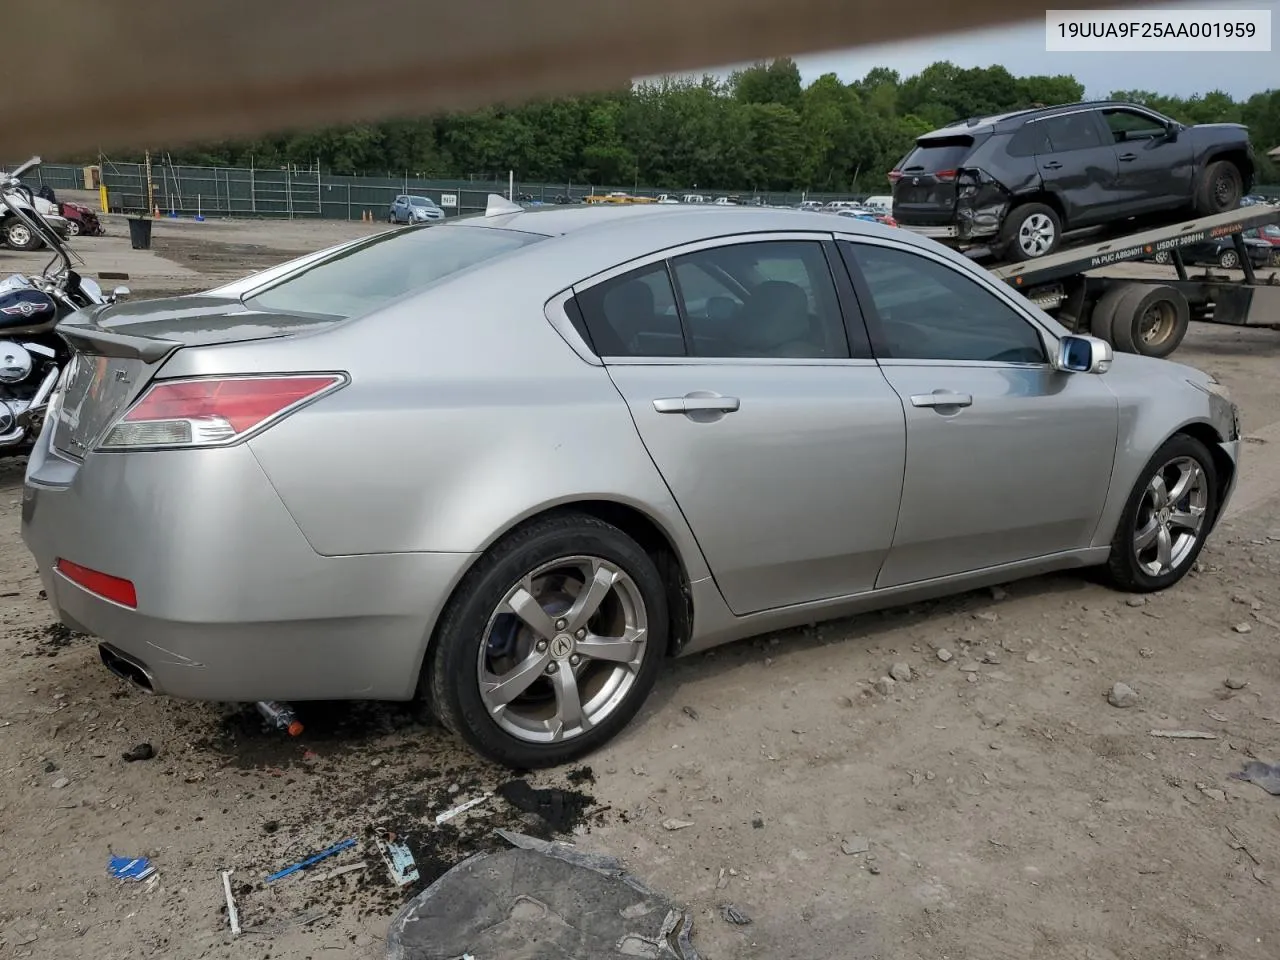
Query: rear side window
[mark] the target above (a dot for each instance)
(935, 154)
(388, 266)
(634, 315)
(1030, 140)
(1075, 131)
(772, 300)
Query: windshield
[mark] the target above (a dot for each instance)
(363, 278)
(421, 202)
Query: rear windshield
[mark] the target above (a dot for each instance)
(938, 153)
(388, 266)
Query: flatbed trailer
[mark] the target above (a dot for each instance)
(1149, 315)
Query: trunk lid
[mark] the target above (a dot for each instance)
(118, 348)
(925, 190)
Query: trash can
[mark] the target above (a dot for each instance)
(140, 232)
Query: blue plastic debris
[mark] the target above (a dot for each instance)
(130, 868)
(316, 858)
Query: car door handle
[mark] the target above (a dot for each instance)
(696, 404)
(1053, 165)
(1126, 157)
(942, 398)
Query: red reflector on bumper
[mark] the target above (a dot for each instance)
(103, 584)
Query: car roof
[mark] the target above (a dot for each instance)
(694, 220)
(1006, 122)
(584, 241)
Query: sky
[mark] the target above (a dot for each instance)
(1022, 51)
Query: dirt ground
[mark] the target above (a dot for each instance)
(995, 806)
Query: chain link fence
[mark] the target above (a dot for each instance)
(299, 192)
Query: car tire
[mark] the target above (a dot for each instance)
(1031, 231)
(1150, 320)
(73, 228)
(1137, 544)
(19, 236)
(1228, 260)
(478, 636)
(1221, 189)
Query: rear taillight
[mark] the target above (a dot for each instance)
(944, 176)
(895, 176)
(213, 411)
(103, 584)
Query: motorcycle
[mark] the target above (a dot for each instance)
(32, 355)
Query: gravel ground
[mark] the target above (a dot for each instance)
(992, 804)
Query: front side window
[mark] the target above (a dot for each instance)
(1132, 125)
(924, 310)
(387, 266)
(768, 300)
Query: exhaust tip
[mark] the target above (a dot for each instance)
(126, 668)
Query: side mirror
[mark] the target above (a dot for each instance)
(120, 293)
(1171, 131)
(1077, 354)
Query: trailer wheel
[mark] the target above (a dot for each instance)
(1150, 320)
(1102, 319)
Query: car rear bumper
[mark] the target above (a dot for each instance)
(232, 602)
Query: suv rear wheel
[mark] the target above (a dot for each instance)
(1030, 231)
(1220, 190)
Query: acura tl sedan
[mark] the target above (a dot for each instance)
(511, 463)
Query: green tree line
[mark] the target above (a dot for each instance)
(759, 129)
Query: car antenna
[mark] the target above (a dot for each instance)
(497, 205)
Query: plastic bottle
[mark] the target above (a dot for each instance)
(280, 716)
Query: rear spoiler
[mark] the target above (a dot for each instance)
(85, 336)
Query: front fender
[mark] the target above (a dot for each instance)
(1157, 400)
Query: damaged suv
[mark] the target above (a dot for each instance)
(1018, 181)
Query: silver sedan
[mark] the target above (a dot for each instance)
(510, 463)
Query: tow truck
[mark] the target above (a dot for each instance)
(1149, 315)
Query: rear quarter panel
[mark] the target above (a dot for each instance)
(466, 413)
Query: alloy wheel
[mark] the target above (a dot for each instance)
(1170, 516)
(1229, 258)
(19, 235)
(1036, 235)
(74, 228)
(563, 649)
